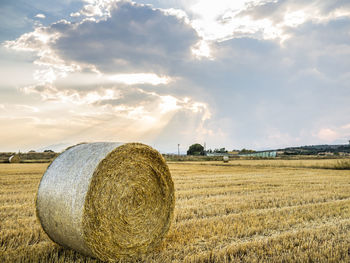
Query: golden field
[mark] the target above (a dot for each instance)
(243, 211)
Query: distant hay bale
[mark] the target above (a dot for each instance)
(107, 200)
(15, 158)
(225, 159)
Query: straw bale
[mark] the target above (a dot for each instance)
(14, 158)
(225, 159)
(107, 200)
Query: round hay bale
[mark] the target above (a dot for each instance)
(107, 200)
(225, 159)
(15, 158)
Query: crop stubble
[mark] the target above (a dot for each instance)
(247, 213)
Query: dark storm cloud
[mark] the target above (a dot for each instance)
(134, 38)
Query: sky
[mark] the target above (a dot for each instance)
(257, 74)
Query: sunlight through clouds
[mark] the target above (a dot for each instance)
(241, 73)
(222, 20)
(69, 86)
(202, 49)
(139, 78)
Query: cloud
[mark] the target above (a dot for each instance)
(98, 7)
(252, 74)
(280, 95)
(327, 134)
(261, 19)
(139, 78)
(76, 14)
(283, 15)
(136, 37)
(127, 114)
(339, 134)
(102, 73)
(41, 16)
(91, 10)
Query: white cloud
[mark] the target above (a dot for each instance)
(168, 104)
(337, 134)
(51, 93)
(294, 19)
(220, 20)
(180, 14)
(327, 134)
(76, 14)
(139, 78)
(40, 42)
(262, 19)
(26, 108)
(42, 16)
(99, 8)
(202, 50)
(91, 10)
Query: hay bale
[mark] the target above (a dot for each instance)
(15, 158)
(107, 200)
(225, 159)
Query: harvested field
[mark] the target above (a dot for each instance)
(251, 212)
(316, 163)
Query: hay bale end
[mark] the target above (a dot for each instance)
(15, 158)
(107, 200)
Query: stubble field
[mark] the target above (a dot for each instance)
(244, 211)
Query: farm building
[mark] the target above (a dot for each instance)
(216, 154)
(264, 154)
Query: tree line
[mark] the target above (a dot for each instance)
(198, 149)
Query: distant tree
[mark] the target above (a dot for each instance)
(195, 149)
(221, 150)
(48, 151)
(246, 151)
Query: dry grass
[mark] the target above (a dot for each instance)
(247, 212)
(338, 164)
(142, 206)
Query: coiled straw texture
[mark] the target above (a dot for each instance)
(107, 200)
